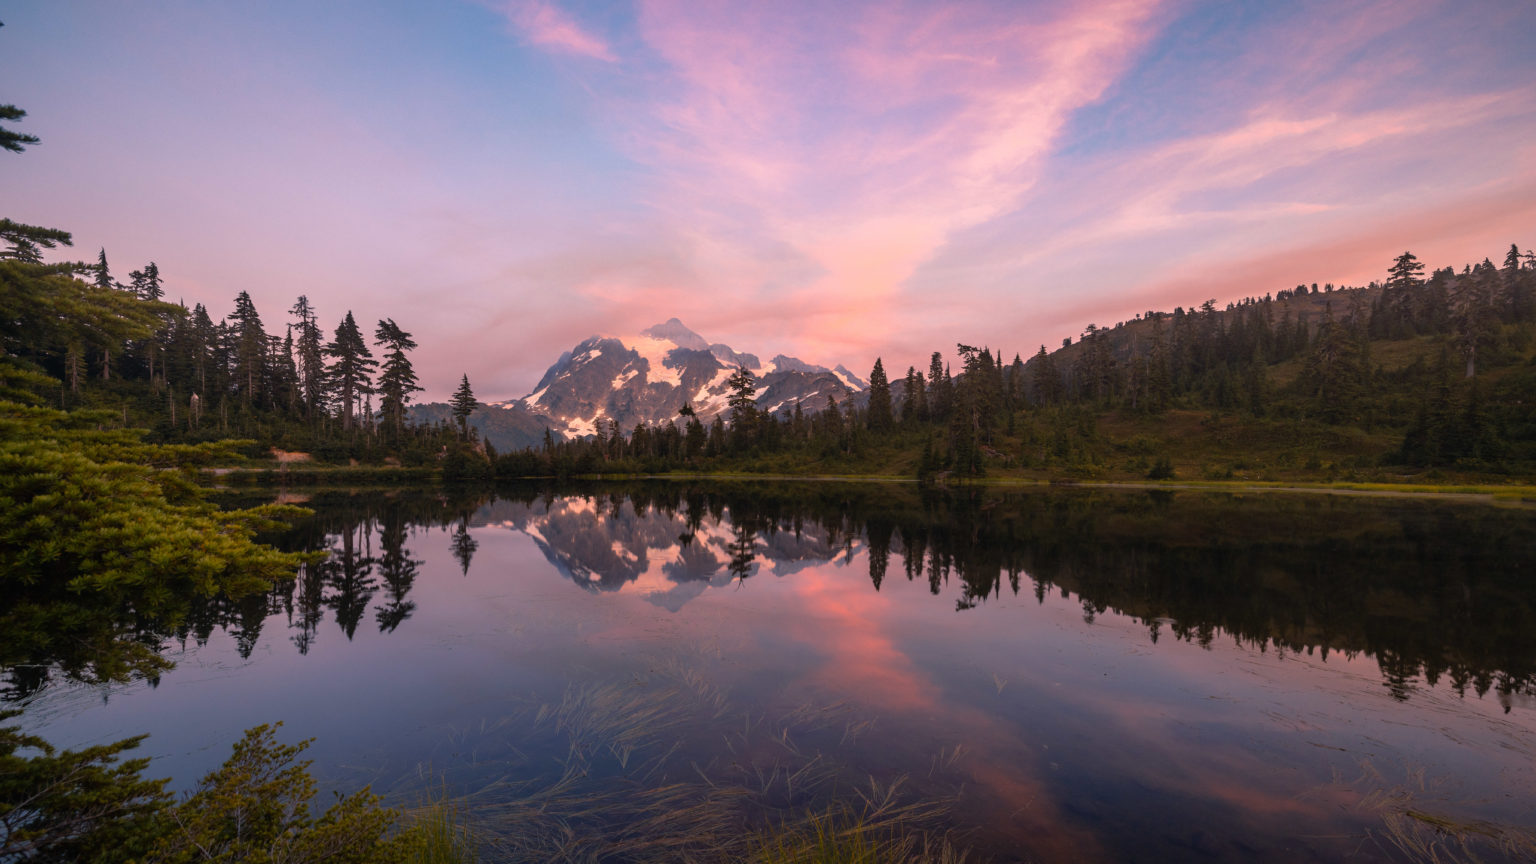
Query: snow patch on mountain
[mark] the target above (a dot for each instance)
(711, 398)
(653, 350)
(853, 381)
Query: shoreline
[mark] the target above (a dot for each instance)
(1520, 495)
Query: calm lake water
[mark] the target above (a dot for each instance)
(640, 671)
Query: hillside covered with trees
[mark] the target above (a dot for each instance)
(1407, 378)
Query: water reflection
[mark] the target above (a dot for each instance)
(1433, 592)
(1079, 674)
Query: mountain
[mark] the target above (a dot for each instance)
(646, 377)
(603, 548)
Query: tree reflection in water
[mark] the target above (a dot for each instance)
(1433, 591)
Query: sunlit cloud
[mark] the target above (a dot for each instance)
(548, 26)
(858, 139)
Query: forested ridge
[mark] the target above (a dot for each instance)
(1409, 373)
(1410, 377)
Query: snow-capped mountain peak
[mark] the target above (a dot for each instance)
(676, 332)
(647, 376)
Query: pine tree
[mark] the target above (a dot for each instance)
(11, 140)
(974, 408)
(397, 380)
(832, 421)
(146, 282)
(1047, 380)
(1015, 382)
(285, 374)
(353, 370)
(103, 281)
(939, 391)
(743, 404)
(26, 242)
(695, 438)
(204, 335)
(463, 403)
(102, 273)
(250, 350)
(1406, 272)
(1518, 302)
(879, 412)
(309, 351)
(1398, 295)
(1474, 320)
(912, 390)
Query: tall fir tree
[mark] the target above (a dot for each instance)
(938, 388)
(250, 350)
(352, 371)
(463, 405)
(742, 402)
(309, 357)
(913, 405)
(1047, 378)
(146, 282)
(1517, 289)
(1399, 294)
(878, 415)
(285, 375)
(101, 273)
(397, 380)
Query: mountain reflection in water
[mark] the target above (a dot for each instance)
(1074, 674)
(1434, 593)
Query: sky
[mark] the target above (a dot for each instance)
(834, 181)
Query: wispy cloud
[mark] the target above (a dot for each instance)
(856, 179)
(548, 26)
(848, 143)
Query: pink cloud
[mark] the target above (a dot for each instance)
(548, 26)
(852, 142)
(851, 180)
(1312, 186)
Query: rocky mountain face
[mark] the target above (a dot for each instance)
(646, 378)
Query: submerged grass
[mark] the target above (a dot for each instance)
(841, 837)
(668, 769)
(1412, 829)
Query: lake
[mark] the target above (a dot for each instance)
(645, 671)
